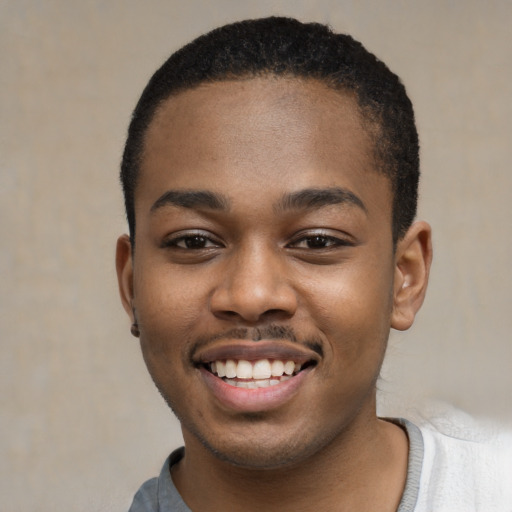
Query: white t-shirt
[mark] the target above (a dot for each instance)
(462, 466)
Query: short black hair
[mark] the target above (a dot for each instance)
(286, 47)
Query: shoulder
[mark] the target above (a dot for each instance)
(467, 464)
(146, 498)
(159, 494)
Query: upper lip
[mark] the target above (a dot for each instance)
(254, 351)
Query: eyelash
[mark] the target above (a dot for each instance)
(190, 237)
(332, 242)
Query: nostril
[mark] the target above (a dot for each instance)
(274, 312)
(277, 314)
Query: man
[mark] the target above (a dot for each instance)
(270, 179)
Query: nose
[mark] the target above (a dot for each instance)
(254, 288)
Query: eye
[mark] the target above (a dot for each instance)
(319, 241)
(191, 241)
(316, 242)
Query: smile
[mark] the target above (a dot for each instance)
(262, 373)
(247, 376)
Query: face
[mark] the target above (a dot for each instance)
(264, 278)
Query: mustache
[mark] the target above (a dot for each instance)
(255, 334)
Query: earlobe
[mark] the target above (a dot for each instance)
(124, 268)
(412, 266)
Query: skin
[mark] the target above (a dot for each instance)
(213, 271)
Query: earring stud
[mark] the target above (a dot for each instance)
(135, 329)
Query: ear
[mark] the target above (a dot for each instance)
(124, 267)
(412, 266)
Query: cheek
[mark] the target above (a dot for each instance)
(169, 298)
(169, 310)
(352, 308)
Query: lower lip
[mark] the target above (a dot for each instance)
(253, 400)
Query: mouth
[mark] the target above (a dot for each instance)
(257, 374)
(247, 376)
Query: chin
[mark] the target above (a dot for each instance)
(257, 457)
(262, 447)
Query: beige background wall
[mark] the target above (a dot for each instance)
(81, 425)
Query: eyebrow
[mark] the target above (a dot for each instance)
(311, 198)
(191, 199)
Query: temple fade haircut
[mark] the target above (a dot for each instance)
(285, 47)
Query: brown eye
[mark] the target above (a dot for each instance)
(318, 242)
(193, 242)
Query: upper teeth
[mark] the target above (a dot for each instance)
(261, 369)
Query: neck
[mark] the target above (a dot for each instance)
(364, 468)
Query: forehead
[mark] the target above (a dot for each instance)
(269, 130)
